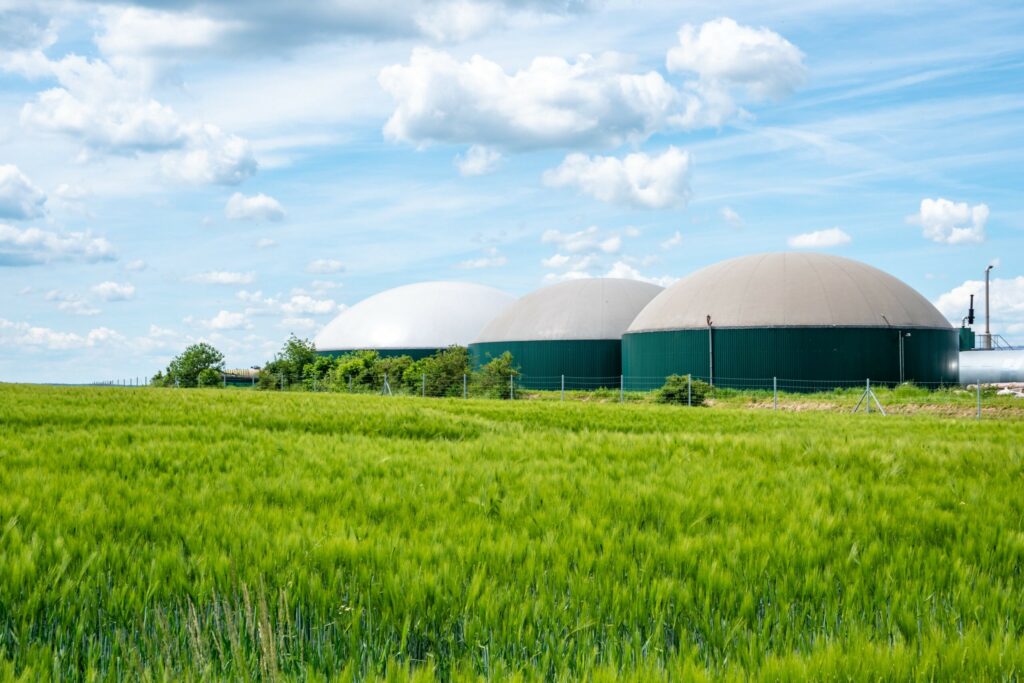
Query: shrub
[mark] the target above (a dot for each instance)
(210, 378)
(678, 390)
(492, 379)
(443, 372)
(365, 370)
(288, 366)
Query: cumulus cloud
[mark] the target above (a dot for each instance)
(555, 261)
(949, 222)
(135, 265)
(108, 110)
(299, 324)
(21, 335)
(71, 303)
(728, 59)
(588, 239)
(227, 320)
(258, 207)
(654, 182)
(491, 259)
(551, 103)
(1006, 303)
(592, 101)
(141, 31)
(820, 239)
(324, 266)
(731, 217)
(479, 160)
(114, 291)
(30, 246)
(19, 197)
(223, 277)
(621, 269)
(673, 241)
(305, 304)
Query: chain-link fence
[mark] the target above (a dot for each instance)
(773, 393)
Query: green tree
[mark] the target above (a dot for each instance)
(209, 377)
(287, 367)
(184, 369)
(492, 380)
(443, 372)
(365, 371)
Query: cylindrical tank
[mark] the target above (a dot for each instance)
(991, 367)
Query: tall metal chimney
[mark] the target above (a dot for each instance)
(988, 330)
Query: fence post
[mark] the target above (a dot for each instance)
(563, 387)
(689, 390)
(867, 393)
(775, 391)
(423, 390)
(622, 389)
(465, 386)
(350, 384)
(511, 386)
(979, 399)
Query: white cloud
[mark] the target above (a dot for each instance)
(655, 182)
(305, 304)
(71, 303)
(106, 107)
(324, 285)
(265, 243)
(673, 241)
(325, 266)
(551, 103)
(19, 197)
(1006, 304)
(223, 277)
(820, 239)
(138, 31)
(610, 245)
(950, 222)
(114, 291)
(556, 261)
(573, 242)
(135, 265)
(227, 320)
(33, 246)
(621, 269)
(731, 217)
(258, 207)
(20, 335)
(298, 324)
(492, 259)
(728, 58)
(479, 160)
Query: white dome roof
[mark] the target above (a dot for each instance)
(788, 290)
(597, 308)
(427, 315)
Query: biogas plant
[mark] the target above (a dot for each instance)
(817, 320)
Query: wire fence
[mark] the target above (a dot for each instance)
(846, 395)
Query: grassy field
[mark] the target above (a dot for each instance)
(203, 534)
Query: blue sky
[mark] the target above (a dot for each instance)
(174, 171)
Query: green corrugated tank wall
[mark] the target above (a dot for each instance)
(415, 354)
(812, 358)
(966, 339)
(586, 363)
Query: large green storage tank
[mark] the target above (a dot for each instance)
(413, 320)
(813, 321)
(573, 328)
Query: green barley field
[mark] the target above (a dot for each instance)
(166, 535)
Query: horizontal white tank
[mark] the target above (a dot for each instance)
(991, 367)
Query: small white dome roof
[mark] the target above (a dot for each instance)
(594, 308)
(788, 290)
(426, 315)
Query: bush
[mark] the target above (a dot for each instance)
(289, 365)
(365, 371)
(492, 379)
(184, 370)
(443, 372)
(678, 390)
(210, 378)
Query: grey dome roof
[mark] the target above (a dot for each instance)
(789, 290)
(427, 315)
(597, 308)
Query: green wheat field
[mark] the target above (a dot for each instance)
(164, 534)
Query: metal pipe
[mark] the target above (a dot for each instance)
(988, 331)
(711, 354)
